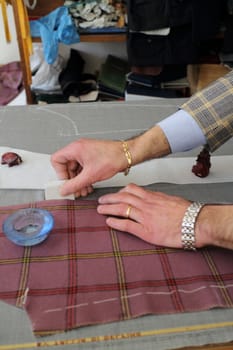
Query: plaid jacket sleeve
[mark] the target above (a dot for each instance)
(212, 108)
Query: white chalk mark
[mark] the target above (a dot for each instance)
(102, 301)
(24, 296)
(63, 116)
(66, 308)
(114, 131)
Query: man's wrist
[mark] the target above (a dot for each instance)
(128, 157)
(215, 226)
(149, 145)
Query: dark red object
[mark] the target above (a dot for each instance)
(11, 159)
(203, 165)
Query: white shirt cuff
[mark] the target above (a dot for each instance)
(182, 132)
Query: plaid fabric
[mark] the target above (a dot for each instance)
(85, 273)
(212, 108)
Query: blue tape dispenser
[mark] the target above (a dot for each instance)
(29, 226)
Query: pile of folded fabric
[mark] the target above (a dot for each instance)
(11, 82)
(97, 13)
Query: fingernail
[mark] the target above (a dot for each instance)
(100, 200)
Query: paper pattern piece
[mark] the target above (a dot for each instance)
(52, 190)
(86, 273)
(36, 172)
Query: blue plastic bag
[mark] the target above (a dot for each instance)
(57, 27)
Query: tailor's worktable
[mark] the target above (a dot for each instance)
(45, 129)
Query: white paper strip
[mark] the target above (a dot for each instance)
(36, 172)
(33, 173)
(52, 190)
(173, 170)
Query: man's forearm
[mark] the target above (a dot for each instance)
(152, 144)
(215, 226)
(177, 133)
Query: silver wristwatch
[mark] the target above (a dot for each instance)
(188, 225)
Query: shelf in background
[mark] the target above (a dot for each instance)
(109, 34)
(104, 37)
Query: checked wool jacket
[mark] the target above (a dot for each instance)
(212, 108)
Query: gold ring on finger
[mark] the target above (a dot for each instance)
(128, 211)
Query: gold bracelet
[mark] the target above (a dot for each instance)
(128, 156)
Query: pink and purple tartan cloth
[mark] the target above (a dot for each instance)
(85, 273)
